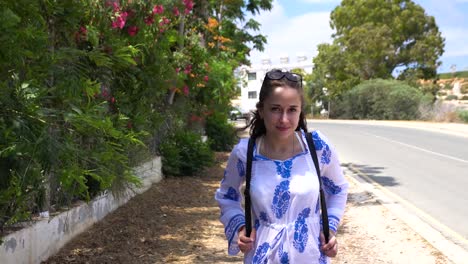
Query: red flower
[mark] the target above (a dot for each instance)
(164, 21)
(149, 20)
(188, 6)
(188, 69)
(206, 78)
(176, 11)
(186, 90)
(158, 9)
(195, 118)
(132, 31)
(119, 22)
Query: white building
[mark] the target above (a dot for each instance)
(252, 78)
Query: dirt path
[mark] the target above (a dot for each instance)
(176, 221)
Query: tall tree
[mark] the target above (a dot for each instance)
(377, 38)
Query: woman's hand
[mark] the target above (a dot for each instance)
(246, 243)
(331, 248)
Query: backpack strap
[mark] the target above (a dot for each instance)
(248, 176)
(323, 204)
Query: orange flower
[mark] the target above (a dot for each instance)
(212, 23)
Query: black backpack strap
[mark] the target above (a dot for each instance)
(323, 204)
(248, 176)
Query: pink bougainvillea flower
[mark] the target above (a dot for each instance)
(186, 90)
(149, 20)
(119, 22)
(206, 78)
(188, 69)
(188, 6)
(158, 9)
(133, 30)
(176, 11)
(81, 34)
(116, 6)
(177, 70)
(195, 118)
(105, 94)
(165, 21)
(83, 30)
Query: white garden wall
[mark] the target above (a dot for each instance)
(44, 238)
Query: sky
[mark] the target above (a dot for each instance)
(296, 28)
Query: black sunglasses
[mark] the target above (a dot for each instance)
(278, 75)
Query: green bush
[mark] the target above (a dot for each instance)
(463, 115)
(464, 88)
(441, 93)
(184, 154)
(380, 99)
(451, 97)
(221, 134)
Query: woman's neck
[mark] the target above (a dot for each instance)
(281, 150)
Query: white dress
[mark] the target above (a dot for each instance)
(285, 204)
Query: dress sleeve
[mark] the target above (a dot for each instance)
(334, 183)
(229, 196)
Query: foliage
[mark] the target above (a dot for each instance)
(380, 99)
(184, 154)
(451, 97)
(463, 115)
(464, 88)
(86, 87)
(449, 75)
(221, 134)
(376, 38)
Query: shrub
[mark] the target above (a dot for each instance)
(463, 115)
(464, 88)
(381, 99)
(465, 97)
(441, 93)
(220, 132)
(451, 97)
(184, 154)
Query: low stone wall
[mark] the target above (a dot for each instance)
(44, 238)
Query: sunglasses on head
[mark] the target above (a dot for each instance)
(278, 75)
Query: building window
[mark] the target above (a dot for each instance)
(253, 95)
(252, 76)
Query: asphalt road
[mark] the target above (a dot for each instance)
(429, 170)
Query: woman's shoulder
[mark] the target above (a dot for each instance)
(317, 136)
(315, 133)
(240, 149)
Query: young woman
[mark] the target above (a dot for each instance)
(284, 186)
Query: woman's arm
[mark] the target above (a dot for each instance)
(229, 196)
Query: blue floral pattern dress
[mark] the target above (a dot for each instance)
(285, 202)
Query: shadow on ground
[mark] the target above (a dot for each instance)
(373, 173)
(175, 221)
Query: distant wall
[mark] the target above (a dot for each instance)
(44, 238)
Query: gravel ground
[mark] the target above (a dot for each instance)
(176, 221)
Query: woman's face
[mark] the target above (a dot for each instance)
(281, 111)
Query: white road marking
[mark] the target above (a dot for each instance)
(420, 149)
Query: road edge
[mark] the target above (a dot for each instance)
(453, 247)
